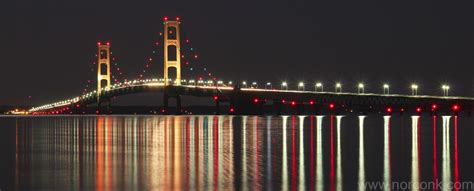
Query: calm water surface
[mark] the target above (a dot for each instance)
(234, 153)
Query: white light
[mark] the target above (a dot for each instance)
(268, 83)
(254, 83)
(244, 83)
(319, 84)
(284, 84)
(338, 85)
(361, 85)
(414, 86)
(301, 84)
(386, 86)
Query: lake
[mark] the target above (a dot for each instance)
(324, 152)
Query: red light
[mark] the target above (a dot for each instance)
(456, 107)
(434, 107)
(99, 43)
(108, 43)
(255, 100)
(283, 101)
(389, 110)
(418, 109)
(78, 105)
(216, 98)
(231, 110)
(165, 18)
(311, 102)
(293, 103)
(177, 18)
(331, 106)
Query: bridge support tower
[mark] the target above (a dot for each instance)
(103, 75)
(172, 53)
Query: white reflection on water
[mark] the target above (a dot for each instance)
(269, 154)
(338, 155)
(244, 153)
(361, 154)
(284, 173)
(301, 176)
(415, 167)
(319, 154)
(386, 154)
(446, 154)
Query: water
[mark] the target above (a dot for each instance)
(235, 153)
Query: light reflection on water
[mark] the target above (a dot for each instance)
(227, 152)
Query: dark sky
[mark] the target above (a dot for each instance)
(47, 46)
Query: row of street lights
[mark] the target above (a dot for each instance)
(319, 87)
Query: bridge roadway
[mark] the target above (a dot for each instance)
(252, 100)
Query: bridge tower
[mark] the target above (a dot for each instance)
(103, 68)
(172, 57)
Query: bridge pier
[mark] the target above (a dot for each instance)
(108, 107)
(178, 105)
(165, 108)
(277, 107)
(166, 98)
(217, 103)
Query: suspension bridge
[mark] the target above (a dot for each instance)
(243, 98)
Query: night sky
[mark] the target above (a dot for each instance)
(47, 46)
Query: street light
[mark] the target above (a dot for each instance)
(414, 89)
(268, 85)
(301, 86)
(230, 83)
(386, 89)
(254, 85)
(338, 87)
(319, 85)
(284, 86)
(360, 88)
(445, 90)
(244, 84)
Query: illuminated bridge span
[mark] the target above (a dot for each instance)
(243, 98)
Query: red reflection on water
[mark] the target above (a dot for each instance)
(312, 170)
(216, 150)
(456, 162)
(331, 171)
(435, 168)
